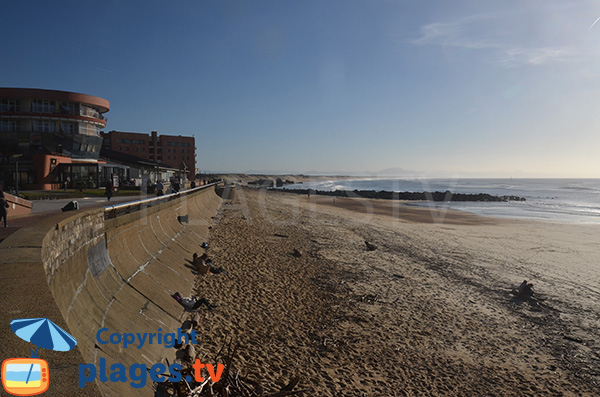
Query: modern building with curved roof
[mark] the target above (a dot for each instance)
(54, 136)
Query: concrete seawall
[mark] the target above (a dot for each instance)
(17, 206)
(116, 273)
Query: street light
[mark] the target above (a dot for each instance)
(16, 157)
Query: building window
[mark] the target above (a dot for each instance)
(136, 149)
(184, 144)
(70, 128)
(120, 148)
(136, 141)
(143, 149)
(10, 125)
(68, 108)
(88, 111)
(42, 106)
(10, 105)
(126, 148)
(43, 126)
(89, 129)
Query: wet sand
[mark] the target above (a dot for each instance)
(429, 312)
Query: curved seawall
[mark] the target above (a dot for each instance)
(117, 274)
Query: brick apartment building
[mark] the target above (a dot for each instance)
(171, 150)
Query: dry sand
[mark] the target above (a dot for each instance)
(429, 312)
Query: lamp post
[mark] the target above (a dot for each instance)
(16, 157)
(183, 173)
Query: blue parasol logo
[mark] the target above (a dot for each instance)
(43, 333)
(27, 377)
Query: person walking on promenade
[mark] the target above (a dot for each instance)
(3, 206)
(109, 190)
(176, 186)
(159, 188)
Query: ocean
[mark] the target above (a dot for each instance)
(562, 200)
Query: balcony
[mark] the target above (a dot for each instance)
(19, 112)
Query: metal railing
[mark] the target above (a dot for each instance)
(112, 211)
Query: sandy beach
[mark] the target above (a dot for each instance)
(429, 312)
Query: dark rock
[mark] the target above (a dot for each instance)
(265, 182)
(370, 247)
(411, 196)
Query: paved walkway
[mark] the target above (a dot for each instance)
(43, 208)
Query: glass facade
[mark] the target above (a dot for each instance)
(77, 176)
(89, 129)
(10, 125)
(37, 123)
(43, 106)
(10, 105)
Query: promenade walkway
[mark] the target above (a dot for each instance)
(44, 208)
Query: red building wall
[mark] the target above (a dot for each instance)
(132, 143)
(176, 149)
(45, 166)
(166, 149)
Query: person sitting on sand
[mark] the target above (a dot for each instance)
(195, 259)
(192, 303)
(201, 262)
(525, 290)
(213, 269)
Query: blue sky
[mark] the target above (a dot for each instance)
(464, 88)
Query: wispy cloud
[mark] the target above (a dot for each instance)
(454, 34)
(480, 33)
(512, 57)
